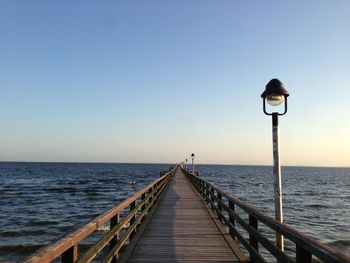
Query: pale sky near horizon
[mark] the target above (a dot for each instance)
(154, 81)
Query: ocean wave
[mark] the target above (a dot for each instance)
(42, 223)
(105, 181)
(20, 233)
(104, 173)
(93, 192)
(318, 206)
(10, 194)
(20, 249)
(10, 233)
(341, 243)
(81, 181)
(61, 189)
(103, 228)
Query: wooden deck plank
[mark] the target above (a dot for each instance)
(182, 230)
(182, 241)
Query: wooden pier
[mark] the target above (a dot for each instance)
(183, 230)
(180, 217)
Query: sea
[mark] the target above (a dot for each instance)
(40, 202)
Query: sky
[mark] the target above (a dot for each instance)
(154, 81)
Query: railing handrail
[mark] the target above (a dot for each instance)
(53, 250)
(309, 244)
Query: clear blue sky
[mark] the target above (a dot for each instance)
(154, 81)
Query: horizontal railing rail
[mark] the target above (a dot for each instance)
(123, 225)
(305, 246)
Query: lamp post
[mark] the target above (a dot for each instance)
(192, 156)
(186, 164)
(275, 94)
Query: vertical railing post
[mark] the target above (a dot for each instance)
(212, 196)
(70, 255)
(158, 187)
(133, 218)
(232, 219)
(204, 191)
(207, 192)
(151, 196)
(219, 205)
(253, 242)
(201, 187)
(112, 223)
(156, 192)
(302, 256)
(143, 197)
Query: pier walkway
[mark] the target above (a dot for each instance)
(183, 230)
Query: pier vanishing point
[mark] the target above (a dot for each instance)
(180, 217)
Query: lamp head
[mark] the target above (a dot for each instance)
(275, 94)
(192, 156)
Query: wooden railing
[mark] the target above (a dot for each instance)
(224, 205)
(124, 220)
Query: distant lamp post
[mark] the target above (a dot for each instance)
(186, 164)
(275, 94)
(192, 157)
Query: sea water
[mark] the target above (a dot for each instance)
(40, 202)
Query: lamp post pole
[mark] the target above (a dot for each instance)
(192, 156)
(186, 165)
(278, 179)
(275, 94)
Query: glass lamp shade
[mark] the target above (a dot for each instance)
(274, 99)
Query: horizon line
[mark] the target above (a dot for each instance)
(168, 163)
